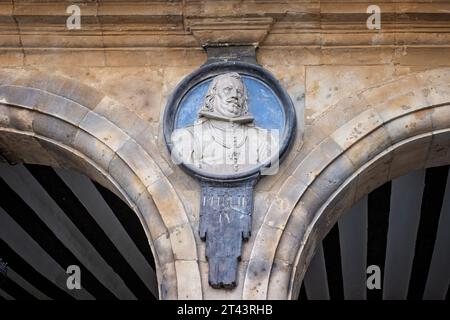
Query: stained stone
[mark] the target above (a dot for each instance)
(125, 63)
(225, 221)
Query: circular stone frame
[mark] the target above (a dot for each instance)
(211, 70)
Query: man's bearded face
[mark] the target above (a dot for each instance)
(229, 98)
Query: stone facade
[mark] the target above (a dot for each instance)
(372, 105)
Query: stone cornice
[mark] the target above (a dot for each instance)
(193, 23)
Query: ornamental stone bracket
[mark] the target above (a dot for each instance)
(229, 31)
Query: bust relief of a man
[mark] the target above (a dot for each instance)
(224, 138)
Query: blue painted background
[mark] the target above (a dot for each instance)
(263, 104)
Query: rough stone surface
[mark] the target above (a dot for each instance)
(327, 85)
(375, 106)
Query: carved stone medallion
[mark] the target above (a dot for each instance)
(228, 124)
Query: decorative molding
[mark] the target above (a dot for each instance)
(188, 24)
(242, 31)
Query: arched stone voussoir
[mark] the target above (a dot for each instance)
(43, 101)
(60, 122)
(408, 155)
(398, 113)
(16, 118)
(405, 156)
(140, 162)
(58, 85)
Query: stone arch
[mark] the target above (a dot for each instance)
(61, 122)
(394, 128)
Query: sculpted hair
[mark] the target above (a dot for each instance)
(208, 104)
